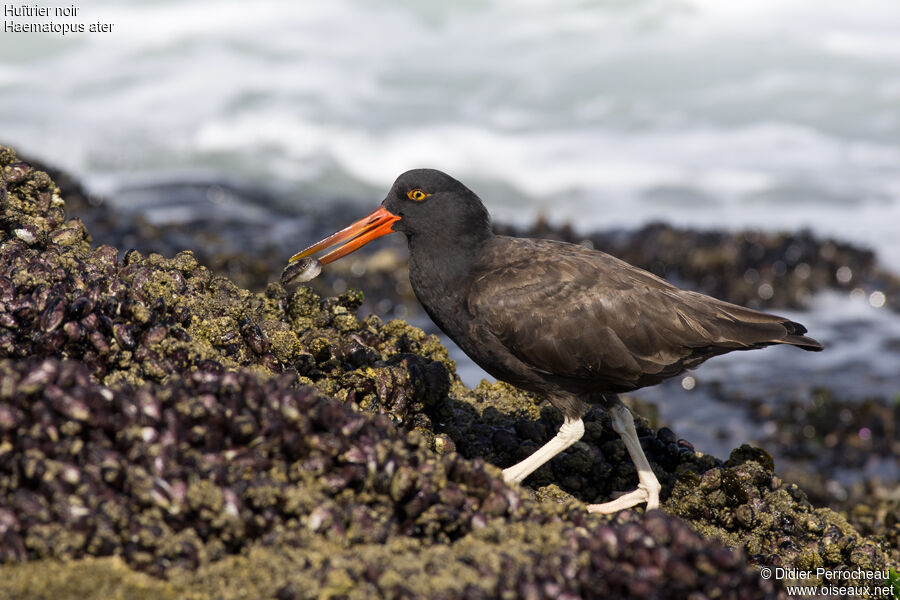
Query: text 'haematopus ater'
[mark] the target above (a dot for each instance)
(575, 325)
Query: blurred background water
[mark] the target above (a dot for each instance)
(745, 113)
(605, 113)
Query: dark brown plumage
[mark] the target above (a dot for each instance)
(574, 324)
(558, 315)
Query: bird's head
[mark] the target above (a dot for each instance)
(424, 204)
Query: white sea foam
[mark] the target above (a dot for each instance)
(741, 113)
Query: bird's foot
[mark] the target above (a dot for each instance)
(513, 474)
(643, 493)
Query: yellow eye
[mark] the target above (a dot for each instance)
(417, 195)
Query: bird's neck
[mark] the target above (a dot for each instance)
(443, 262)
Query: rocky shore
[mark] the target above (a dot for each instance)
(167, 433)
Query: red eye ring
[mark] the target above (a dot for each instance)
(416, 195)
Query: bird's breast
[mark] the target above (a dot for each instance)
(445, 301)
(440, 295)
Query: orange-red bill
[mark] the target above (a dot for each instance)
(359, 234)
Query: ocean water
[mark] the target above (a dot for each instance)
(604, 113)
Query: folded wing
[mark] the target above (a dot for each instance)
(581, 314)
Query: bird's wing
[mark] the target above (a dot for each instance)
(577, 313)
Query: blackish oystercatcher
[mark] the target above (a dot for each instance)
(575, 325)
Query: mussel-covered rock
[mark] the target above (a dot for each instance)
(156, 413)
(142, 485)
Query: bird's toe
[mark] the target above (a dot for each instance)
(633, 498)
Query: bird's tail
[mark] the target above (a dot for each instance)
(795, 337)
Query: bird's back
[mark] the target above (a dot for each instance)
(588, 321)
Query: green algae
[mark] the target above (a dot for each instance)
(321, 569)
(101, 578)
